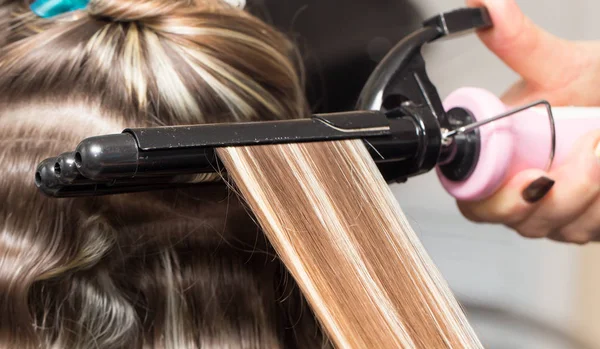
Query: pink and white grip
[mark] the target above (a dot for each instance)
(516, 143)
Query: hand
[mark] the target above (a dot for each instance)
(563, 204)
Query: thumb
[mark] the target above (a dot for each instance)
(538, 56)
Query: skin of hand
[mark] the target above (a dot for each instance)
(564, 204)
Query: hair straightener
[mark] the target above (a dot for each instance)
(472, 140)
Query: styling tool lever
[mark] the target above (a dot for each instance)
(401, 80)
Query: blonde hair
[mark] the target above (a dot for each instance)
(189, 268)
(338, 228)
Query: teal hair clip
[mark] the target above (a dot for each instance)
(51, 8)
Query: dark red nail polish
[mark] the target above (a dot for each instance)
(537, 189)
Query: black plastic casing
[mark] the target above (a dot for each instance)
(395, 141)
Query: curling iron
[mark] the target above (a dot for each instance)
(471, 139)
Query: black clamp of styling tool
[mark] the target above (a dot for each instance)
(399, 116)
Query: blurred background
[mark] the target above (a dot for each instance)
(518, 293)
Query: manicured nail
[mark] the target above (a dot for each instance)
(537, 189)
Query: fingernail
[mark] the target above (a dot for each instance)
(537, 189)
(597, 151)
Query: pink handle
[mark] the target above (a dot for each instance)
(514, 144)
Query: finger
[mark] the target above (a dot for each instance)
(516, 94)
(523, 93)
(586, 227)
(583, 229)
(577, 187)
(512, 203)
(530, 51)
